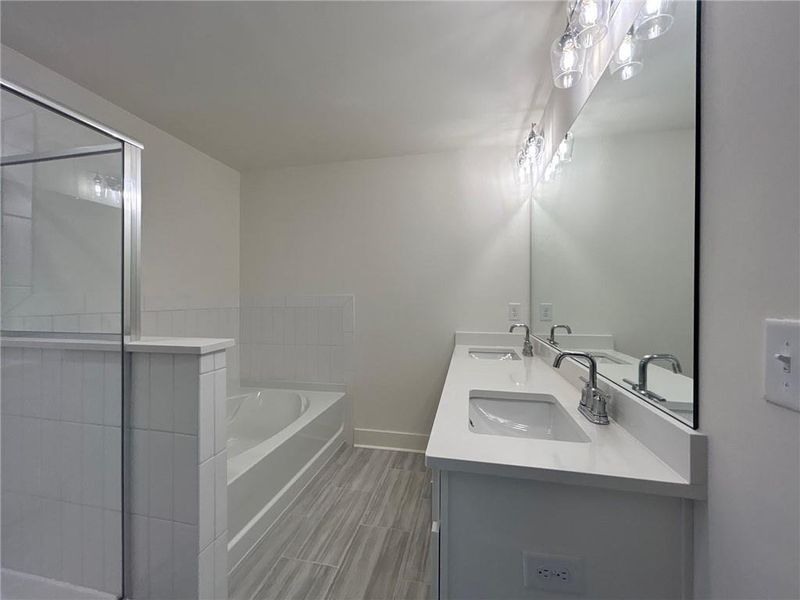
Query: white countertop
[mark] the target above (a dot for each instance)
(613, 458)
(167, 345)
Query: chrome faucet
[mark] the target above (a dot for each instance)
(641, 385)
(527, 349)
(552, 338)
(594, 402)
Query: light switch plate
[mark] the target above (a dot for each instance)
(514, 312)
(545, 311)
(782, 363)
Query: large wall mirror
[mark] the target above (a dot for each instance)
(613, 222)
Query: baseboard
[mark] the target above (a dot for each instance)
(392, 440)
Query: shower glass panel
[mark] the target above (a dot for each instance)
(61, 406)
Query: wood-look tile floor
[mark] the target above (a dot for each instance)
(359, 530)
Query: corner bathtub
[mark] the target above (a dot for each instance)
(277, 440)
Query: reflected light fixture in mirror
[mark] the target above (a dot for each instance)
(654, 20)
(589, 21)
(565, 148)
(567, 59)
(627, 62)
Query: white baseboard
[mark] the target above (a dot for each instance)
(391, 440)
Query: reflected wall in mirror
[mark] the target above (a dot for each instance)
(613, 229)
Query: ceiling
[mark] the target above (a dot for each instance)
(268, 84)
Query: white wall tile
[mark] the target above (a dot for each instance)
(112, 551)
(51, 384)
(206, 363)
(220, 400)
(160, 474)
(112, 388)
(185, 562)
(164, 323)
(12, 381)
(206, 417)
(72, 386)
(185, 479)
(221, 567)
(112, 468)
(160, 559)
(140, 564)
(186, 393)
(206, 503)
(72, 542)
(179, 323)
(31, 455)
(161, 381)
(31, 382)
(32, 535)
(93, 465)
(90, 323)
(93, 383)
(66, 323)
(220, 493)
(51, 458)
(71, 471)
(51, 546)
(140, 472)
(205, 576)
(140, 390)
(219, 360)
(12, 453)
(93, 561)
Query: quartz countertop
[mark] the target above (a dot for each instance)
(613, 458)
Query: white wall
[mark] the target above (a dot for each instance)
(748, 533)
(613, 241)
(427, 245)
(190, 202)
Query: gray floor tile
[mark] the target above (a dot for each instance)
(296, 580)
(409, 461)
(372, 566)
(363, 469)
(305, 502)
(416, 563)
(250, 572)
(395, 501)
(325, 536)
(411, 590)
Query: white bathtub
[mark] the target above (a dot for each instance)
(277, 440)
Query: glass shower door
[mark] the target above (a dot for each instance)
(61, 296)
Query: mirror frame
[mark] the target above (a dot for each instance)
(563, 108)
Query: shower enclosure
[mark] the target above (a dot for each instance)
(69, 299)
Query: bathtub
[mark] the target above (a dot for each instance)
(277, 440)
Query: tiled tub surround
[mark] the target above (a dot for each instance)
(178, 471)
(360, 530)
(61, 464)
(306, 338)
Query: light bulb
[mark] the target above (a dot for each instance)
(567, 60)
(654, 20)
(98, 186)
(626, 62)
(589, 13)
(565, 148)
(589, 21)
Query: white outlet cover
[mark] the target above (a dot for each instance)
(514, 312)
(545, 311)
(553, 573)
(782, 363)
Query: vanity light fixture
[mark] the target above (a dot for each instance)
(565, 148)
(552, 170)
(627, 60)
(528, 155)
(654, 20)
(588, 20)
(567, 59)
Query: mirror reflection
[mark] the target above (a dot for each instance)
(613, 221)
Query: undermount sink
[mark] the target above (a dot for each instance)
(522, 415)
(493, 354)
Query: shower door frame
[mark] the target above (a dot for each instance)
(131, 300)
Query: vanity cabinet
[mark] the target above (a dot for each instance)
(615, 544)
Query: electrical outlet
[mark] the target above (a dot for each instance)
(545, 311)
(514, 312)
(553, 573)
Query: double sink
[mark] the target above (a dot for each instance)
(517, 414)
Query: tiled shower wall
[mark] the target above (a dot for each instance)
(297, 339)
(61, 465)
(215, 322)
